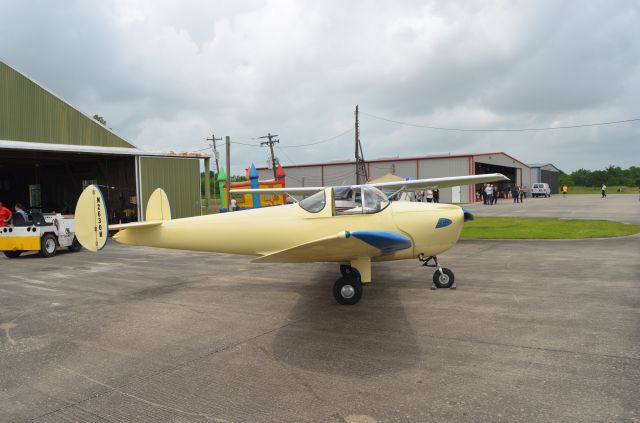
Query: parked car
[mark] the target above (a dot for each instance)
(541, 189)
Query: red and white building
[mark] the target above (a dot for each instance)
(344, 173)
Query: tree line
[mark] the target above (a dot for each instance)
(611, 176)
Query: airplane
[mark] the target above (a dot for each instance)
(371, 228)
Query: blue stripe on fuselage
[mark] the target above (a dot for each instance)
(387, 242)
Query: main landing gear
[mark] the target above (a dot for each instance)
(442, 277)
(348, 289)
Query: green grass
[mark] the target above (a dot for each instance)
(596, 190)
(543, 228)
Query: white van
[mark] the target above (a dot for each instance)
(541, 189)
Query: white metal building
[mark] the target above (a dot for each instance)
(343, 173)
(546, 172)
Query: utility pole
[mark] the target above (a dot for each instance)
(228, 145)
(216, 155)
(361, 169)
(270, 144)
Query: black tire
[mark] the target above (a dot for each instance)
(75, 245)
(48, 245)
(12, 254)
(444, 280)
(347, 290)
(345, 269)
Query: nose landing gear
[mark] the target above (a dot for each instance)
(442, 277)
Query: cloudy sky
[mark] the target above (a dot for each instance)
(166, 74)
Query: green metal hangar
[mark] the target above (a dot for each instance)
(49, 151)
(436, 166)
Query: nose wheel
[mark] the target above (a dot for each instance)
(442, 277)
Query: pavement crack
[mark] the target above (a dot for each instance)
(556, 350)
(111, 388)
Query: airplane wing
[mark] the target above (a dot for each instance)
(411, 185)
(343, 246)
(453, 181)
(290, 191)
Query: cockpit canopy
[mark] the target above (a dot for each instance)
(361, 199)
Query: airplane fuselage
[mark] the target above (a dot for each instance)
(432, 228)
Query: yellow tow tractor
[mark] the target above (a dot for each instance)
(42, 232)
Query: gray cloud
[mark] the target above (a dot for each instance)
(166, 74)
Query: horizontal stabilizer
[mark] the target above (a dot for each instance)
(135, 225)
(158, 206)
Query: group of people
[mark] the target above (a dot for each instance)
(518, 193)
(6, 215)
(490, 193)
(428, 196)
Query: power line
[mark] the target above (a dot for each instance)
(285, 154)
(243, 143)
(319, 142)
(500, 130)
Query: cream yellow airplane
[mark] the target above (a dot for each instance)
(369, 229)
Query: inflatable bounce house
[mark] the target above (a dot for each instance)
(252, 201)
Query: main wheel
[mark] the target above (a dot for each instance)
(347, 290)
(12, 254)
(48, 245)
(345, 269)
(444, 279)
(75, 245)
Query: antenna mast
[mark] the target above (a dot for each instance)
(361, 168)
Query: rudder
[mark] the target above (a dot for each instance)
(91, 222)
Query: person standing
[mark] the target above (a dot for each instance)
(515, 194)
(522, 195)
(234, 204)
(488, 190)
(496, 194)
(565, 190)
(5, 215)
(436, 195)
(604, 190)
(429, 195)
(21, 212)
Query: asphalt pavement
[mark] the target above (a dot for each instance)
(619, 207)
(537, 331)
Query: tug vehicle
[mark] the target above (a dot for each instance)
(43, 232)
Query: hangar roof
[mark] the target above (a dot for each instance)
(400, 159)
(546, 166)
(90, 149)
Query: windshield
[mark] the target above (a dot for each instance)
(374, 199)
(315, 203)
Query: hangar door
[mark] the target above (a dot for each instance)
(180, 178)
(552, 178)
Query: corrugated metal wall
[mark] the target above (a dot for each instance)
(178, 177)
(439, 168)
(30, 113)
(523, 173)
(402, 168)
(340, 174)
